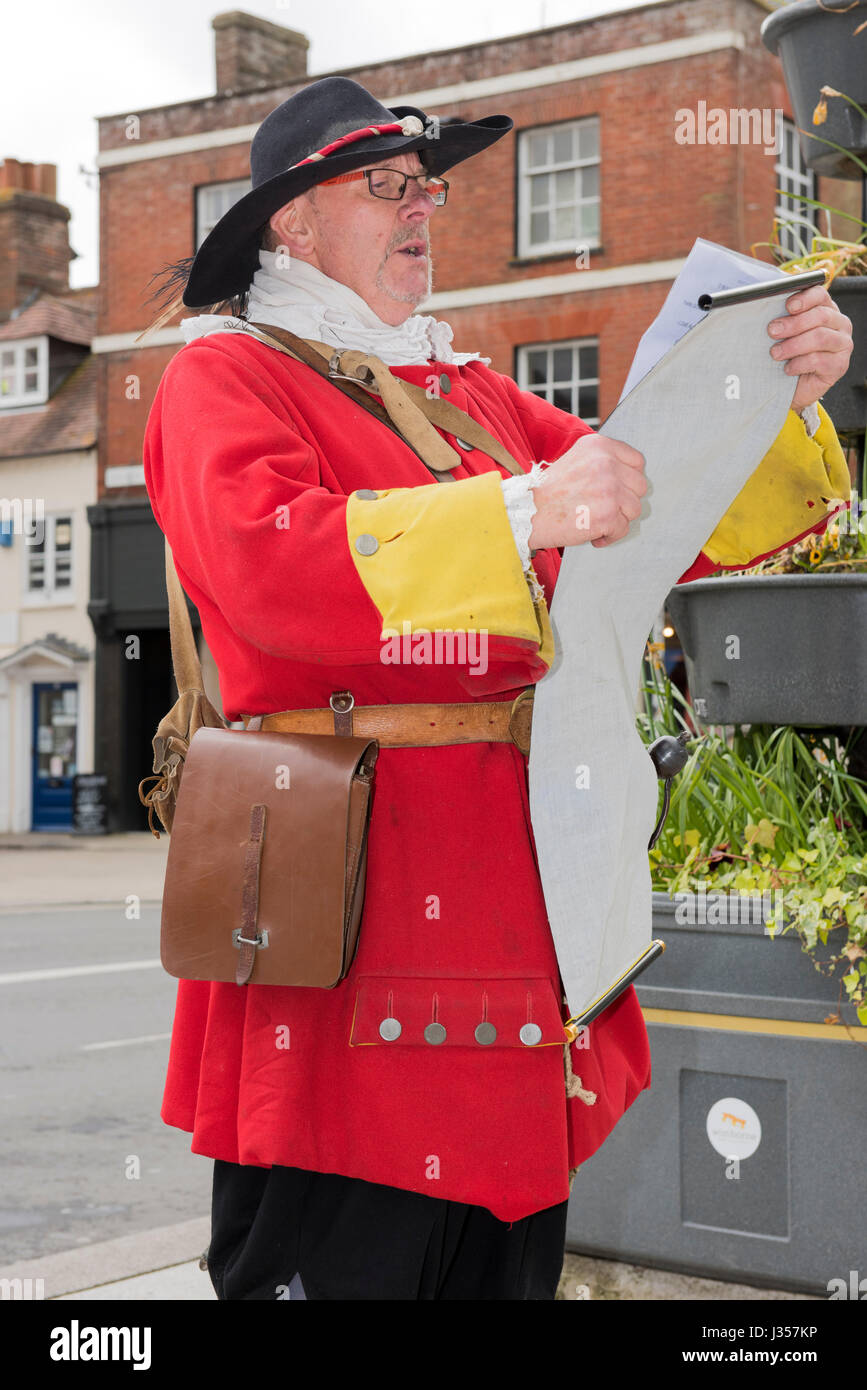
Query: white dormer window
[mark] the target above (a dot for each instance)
(24, 372)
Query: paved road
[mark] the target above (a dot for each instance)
(85, 1014)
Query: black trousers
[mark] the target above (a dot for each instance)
(349, 1239)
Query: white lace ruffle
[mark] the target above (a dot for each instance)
(520, 509)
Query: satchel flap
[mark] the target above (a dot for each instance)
(394, 1011)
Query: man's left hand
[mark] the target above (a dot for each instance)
(814, 341)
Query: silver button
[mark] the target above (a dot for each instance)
(364, 494)
(462, 443)
(445, 383)
(435, 1033)
(485, 1034)
(366, 544)
(530, 1034)
(389, 1029)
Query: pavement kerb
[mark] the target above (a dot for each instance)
(106, 1262)
(81, 871)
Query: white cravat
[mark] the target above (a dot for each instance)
(295, 295)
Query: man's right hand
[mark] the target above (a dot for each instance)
(591, 493)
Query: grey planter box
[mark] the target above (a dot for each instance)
(802, 648)
(846, 401)
(657, 1192)
(816, 49)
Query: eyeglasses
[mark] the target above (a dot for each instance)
(391, 183)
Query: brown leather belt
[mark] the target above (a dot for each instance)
(409, 726)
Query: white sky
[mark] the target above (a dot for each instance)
(75, 60)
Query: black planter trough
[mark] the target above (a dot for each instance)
(775, 649)
(818, 47)
(744, 1160)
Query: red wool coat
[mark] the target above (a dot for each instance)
(454, 925)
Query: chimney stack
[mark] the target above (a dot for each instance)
(34, 234)
(253, 53)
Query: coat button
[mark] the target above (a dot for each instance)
(462, 444)
(364, 494)
(530, 1034)
(435, 1033)
(485, 1034)
(366, 544)
(445, 383)
(389, 1029)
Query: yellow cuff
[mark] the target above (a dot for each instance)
(443, 558)
(774, 506)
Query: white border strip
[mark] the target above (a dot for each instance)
(528, 79)
(573, 282)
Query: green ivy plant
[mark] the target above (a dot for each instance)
(768, 809)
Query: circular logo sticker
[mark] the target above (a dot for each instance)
(733, 1128)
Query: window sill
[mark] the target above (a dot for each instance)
(553, 256)
(30, 601)
(23, 407)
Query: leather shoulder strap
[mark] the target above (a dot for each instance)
(293, 346)
(440, 412)
(185, 656)
(316, 360)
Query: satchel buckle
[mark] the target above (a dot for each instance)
(238, 940)
(523, 746)
(342, 704)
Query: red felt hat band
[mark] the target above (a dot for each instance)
(392, 128)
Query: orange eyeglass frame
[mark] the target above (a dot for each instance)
(362, 173)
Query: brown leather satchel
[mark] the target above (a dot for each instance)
(266, 867)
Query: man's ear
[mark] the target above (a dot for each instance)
(293, 227)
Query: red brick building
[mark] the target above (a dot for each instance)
(589, 208)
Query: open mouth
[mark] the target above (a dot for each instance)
(415, 249)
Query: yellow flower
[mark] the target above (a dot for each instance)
(820, 115)
(815, 557)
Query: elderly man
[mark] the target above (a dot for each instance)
(416, 1139)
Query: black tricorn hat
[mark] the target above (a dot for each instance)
(320, 132)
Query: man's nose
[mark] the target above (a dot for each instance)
(416, 200)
